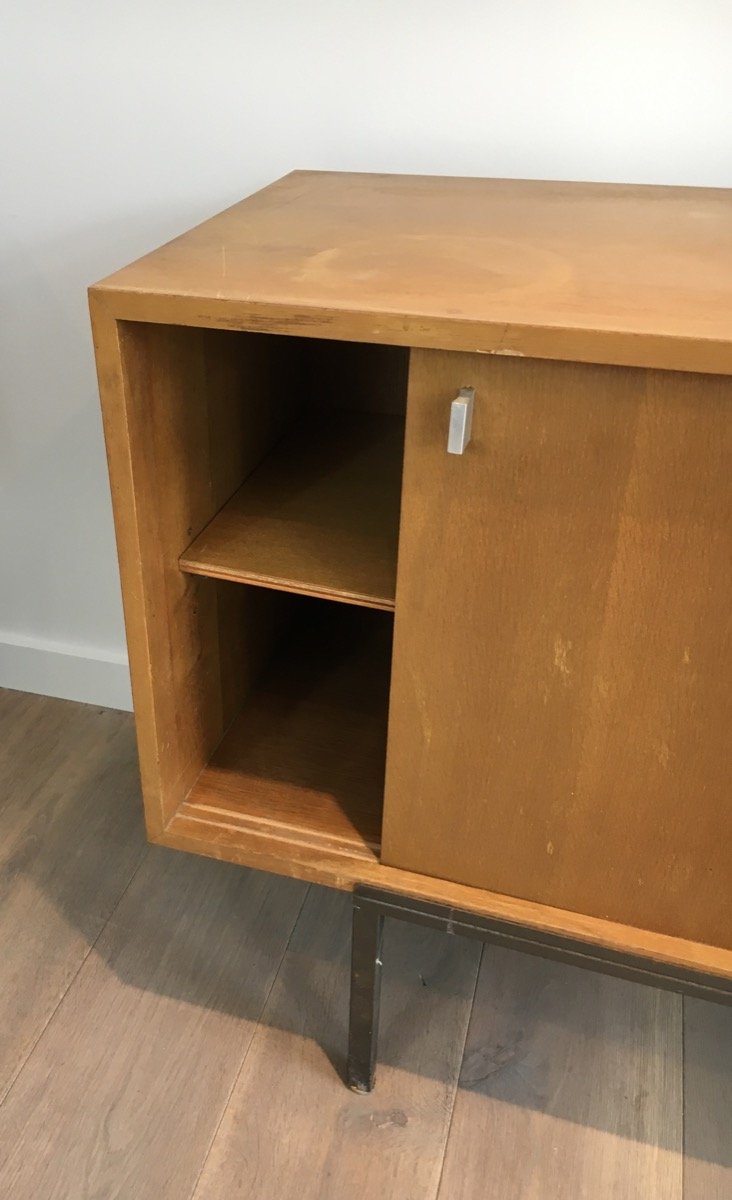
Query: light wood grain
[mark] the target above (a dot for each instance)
(312, 1139)
(124, 1091)
(304, 760)
(707, 1101)
(320, 516)
(570, 1088)
(579, 271)
(71, 837)
(560, 704)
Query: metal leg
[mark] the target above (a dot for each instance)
(371, 905)
(368, 925)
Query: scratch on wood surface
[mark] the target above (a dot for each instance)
(500, 348)
(395, 1116)
(423, 707)
(504, 350)
(561, 656)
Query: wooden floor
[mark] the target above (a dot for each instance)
(174, 1028)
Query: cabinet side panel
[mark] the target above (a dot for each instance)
(560, 705)
(188, 414)
(128, 519)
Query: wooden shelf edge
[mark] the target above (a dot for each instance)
(288, 835)
(319, 516)
(191, 567)
(343, 869)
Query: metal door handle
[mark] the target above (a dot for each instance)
(461, 419)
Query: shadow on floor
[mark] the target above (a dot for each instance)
(205, 934)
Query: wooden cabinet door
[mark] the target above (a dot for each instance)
(560, 706)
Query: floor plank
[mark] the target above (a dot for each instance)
(707, 1101)
(292, 1129)
(71, 837)
(570, 1088)
(124, 1091)
(571, 1082)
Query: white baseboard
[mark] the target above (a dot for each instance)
(84, 673)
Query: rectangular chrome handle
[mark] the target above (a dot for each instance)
(461, 419)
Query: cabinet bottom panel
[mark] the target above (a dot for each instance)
(200, 829)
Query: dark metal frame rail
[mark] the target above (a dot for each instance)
(371, 905)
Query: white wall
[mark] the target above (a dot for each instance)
(123, 124)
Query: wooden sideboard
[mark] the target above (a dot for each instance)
(497, 680)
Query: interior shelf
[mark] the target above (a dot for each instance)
(319, 516)
(304, 759)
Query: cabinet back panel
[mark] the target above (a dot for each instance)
(560, 705)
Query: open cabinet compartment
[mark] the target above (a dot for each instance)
(304, 758)
(270, 493)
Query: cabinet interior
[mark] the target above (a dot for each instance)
(272, 479)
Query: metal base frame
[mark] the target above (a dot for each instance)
(371, 905)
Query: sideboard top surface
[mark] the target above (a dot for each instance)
(615, 273)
